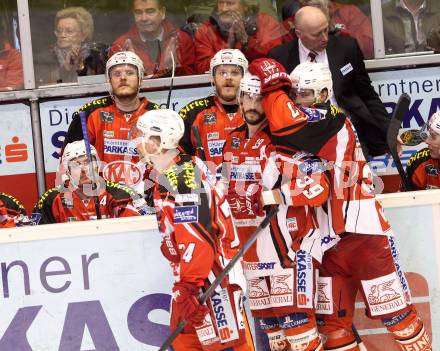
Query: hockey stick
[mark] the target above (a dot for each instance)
(399, 113)
(223, 274)
(199, 146)
(172, 79)
(82, 116)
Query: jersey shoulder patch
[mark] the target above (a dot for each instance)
(11, 203)
(121, 192)
(194, 107)
(152, 106)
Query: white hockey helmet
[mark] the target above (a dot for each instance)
(125, 57)
(313, 75)
(250, 84)
(164, 123)
(431, 129)
(76, 149)
(228, 57)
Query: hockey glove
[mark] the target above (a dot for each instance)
(272, 74)
(186, 306)
(247, 205)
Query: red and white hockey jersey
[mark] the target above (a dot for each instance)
(327, 133)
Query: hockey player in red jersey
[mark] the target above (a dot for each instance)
(364, 262)
(12, 212)
(216, 115)
(424, 165)
(110, 119)
(5, 220)
(73, 201)
(198, 237)
(280, 266)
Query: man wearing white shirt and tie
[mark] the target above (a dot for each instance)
(353, 91)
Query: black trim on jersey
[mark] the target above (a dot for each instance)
(189, 113)
(230, 108)
(293, 126)
(44, 207)
(415, 161)
(74, 132)
(119, 191)
(313, 136)
(12, 205)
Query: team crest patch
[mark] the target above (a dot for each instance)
(235, 143)
(292, 225)
(36, 218)
(210, 118)
(67, 202)
(186, 214)
(431, 171)
(107, 117)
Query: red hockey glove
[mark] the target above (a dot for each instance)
(246, 204)
(186, 306)
(272, 74)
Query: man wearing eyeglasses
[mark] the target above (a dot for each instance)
(153, 39)
(423, 167)
(216, 115)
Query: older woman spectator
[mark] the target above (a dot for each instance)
(73, 54)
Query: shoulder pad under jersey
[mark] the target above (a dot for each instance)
(12, 204)
(47, 197)
(194, 107)
(93, 105)
(120, 192)
(418, 158)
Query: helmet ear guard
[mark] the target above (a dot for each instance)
(314, 76)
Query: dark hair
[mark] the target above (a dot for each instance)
(160, 3)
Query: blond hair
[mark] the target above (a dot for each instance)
(81, 15)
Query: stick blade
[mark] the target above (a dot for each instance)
(399, 114)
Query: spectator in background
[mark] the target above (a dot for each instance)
(433, 40)
(351, 84)
(73, 200)
(345, 18)
(153, 39)
(423, 168)
(200, 10)
(236, 25)
(74, 54)
(11, 69)
(406, 23)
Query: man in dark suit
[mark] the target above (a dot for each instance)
(351, 83)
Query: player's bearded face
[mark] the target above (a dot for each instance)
(80, 171)
(124, 81)
(227, 81)
(251, 108)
